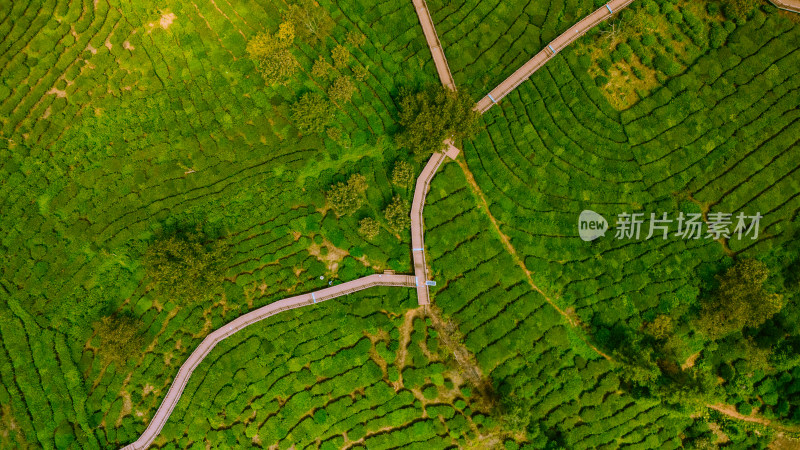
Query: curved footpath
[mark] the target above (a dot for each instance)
(434, 44)
(787, 5)
(420, 278)
(555, 46)
(417, 224)
(208, 344)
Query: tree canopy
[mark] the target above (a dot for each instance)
(119, 337)
(739, 301)
(186, 267)
(272, 54)
(312, 112)
(346, 198)
(311, 21)
(397, 214)
(429, 117)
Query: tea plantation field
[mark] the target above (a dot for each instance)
(125, 123)
(122, 122)
(722, 137)
(487, 40)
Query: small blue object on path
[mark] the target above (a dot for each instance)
(491, 98)
(609, 9)
(313, 297)
(551, 49)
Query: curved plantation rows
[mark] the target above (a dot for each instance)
(525, 346)
(720, 138)
(486, 41)
(341, 376)
(115, 130)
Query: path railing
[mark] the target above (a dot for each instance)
(435, 45)
(550, 50)
(185, 372)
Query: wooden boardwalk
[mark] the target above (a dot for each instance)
(434, 44)
(420, 277)
(417, 223)
(788, 5)
(555, 46)
(179, 383)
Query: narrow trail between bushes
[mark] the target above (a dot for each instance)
(421, 273)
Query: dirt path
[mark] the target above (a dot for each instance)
(730, 411)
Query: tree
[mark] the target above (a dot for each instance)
(739, 9)
(360, 72)
(119, 338)
(312, 112)
(341, 56)
(338, 136)
(397, 214)
(185, 267)
(739, 301)
(341, 90)
(369, 228)
(311, 21)
(321, 69)
(356, 38)
(346, 198)
(429, 117)
(272, 54)
(402, 174)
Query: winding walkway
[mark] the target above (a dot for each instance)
(434, 44)
(208, 344)
(787, 5)
(417, 224)
(555, 46)
(421, 276)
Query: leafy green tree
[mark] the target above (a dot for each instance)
(346, 198)
(397, 214)
(739, 301)
(356, 38)
(321, 69)
(312, 112)
(369, 228)
(185, 267)
(119, 338)
(341, 56)
(739, 9)
(433, 115)
(272, 54)
(402, 174)
(360, 72)
(310, 20)
(341, 90)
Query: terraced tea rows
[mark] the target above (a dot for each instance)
(720, 138)
(118, 125)
(563, 389)
(485, 41)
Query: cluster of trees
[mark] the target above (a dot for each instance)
(740, 301)
(120, 338)
(272, 54)
(430, 116)
(187, 266)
